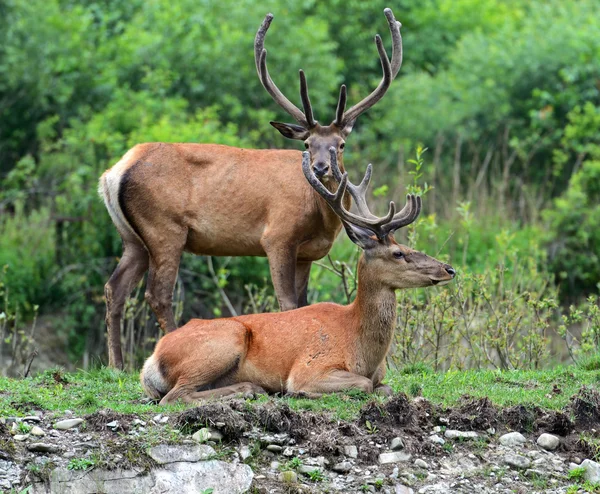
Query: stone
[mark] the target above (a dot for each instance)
(43, 448)
(435, 439)
(306, 469)
(32, 418)
(453, 434)
(421, 464)
(275, 448)
(138, 422)
(10, 475)
(63, 425)
(173, 453)
(517, 461)
(245, 453)
(202, 435)
(37, 431)
(288, 452)
(214, 476)
(402, 489)
(548, 441)
(215, 435)
(397, 444)
(512, 439)
(592, 471)
(164, 420)
(21, 437)
(342, 467)
(288, 477)
(274, 465)
(114, 425)
(351, 451)
(394, 457)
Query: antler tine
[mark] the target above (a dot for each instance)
(378, 92)
(341, 106)
(409, 213)
(369, 220)
(260, 59)
(306, 101)
(396, 41)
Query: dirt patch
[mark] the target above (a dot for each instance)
(7, 447)
(473, 414)
(554, 423)
(398, 411)
(586, 407)
(224, 416)
(520, 417)
(97, 421)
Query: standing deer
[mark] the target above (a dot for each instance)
(210, 200)
(322, 348)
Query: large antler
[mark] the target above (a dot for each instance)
(390, 70)
(380, 226)
(260, 58)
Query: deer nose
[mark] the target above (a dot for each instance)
(320, 168)
(450, 270)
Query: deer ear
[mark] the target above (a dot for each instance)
(291, 131)
(363, 237)
(348, 128)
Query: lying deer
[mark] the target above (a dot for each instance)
(211, 200)
(322, 348)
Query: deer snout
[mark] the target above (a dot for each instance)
(320, 168)
(450, 270)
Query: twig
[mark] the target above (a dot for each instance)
(28, 366)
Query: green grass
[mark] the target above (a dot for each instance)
(86, 392)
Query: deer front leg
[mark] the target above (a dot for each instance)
(334, 382)
(302, 276)
(381, 389)
(282, 264)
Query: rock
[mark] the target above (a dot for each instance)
(548, 442)
(63, 425)
(202, 435)
(138, 422)
(517, 461)
(306, 469)
(394, 457)
(397, 444)
(421, 464)
(342, 467)
(435, 439)
(592, 471)
(402, 489)
(37, 431)
(21, 437)
(10, 475)
(172, 453)
(491, 431)
(32, 418)
(274, 465)
(164, 420)
(245, 453)
(351, 451)
(279, 439)
(289, 477)
(275, 448)
(213, 476)
(453, 434)
(43, 448)
(512, 439)
(288, 452)
(157, 418)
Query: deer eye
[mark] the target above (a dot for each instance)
(306, 145)
(342, 145)
(398, 254)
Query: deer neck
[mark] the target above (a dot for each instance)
(374, 311)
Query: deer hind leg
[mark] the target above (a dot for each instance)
(334, 382)
(164, 265)
(282, 264)
(302, 277)
(126, 276)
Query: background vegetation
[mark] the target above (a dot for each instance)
(504, 93)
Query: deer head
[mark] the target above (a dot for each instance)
(390, 263)
(318, 139)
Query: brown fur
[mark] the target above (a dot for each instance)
(318, 349)
(211, 200)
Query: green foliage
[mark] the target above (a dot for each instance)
(81, 463)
